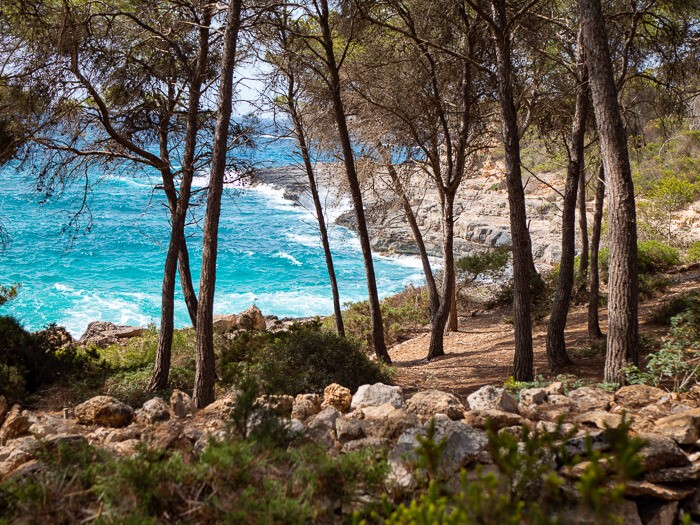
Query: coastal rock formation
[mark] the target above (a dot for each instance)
(102, 333)
(250, 319)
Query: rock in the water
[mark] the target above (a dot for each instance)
(638, 396)
(683, 428)
(181, 404)
(16, 424)
(337, 396)
(102, 333)
(376, 395)
(492, 398)
(661, 452)
(105, 411)
(588, 398)
(153, 411)
(305, 406)
(426, 404)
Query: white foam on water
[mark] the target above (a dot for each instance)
(296, 303)
(311, 241)
(288, 257)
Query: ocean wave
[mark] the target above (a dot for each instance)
(288, 257)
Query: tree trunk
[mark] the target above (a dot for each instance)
(439, 319)
(583, 227)
(303, 146)
(556, 343)
(522, 252)
(205, 373)
(178, 206)
(623, 323)
(186, 280)
(594, 331)
(354, 184)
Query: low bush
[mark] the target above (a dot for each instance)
(236, 481)
(663, 314)
(402, 314)
(304, 359)
(653, 257)
(693, 253)
(29, 361)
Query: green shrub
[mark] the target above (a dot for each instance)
(653, 257)
(663, 314)
(693, 253)
(29, 361)
(304, 359)
(402, 314)
(130, 385)
(7, 293)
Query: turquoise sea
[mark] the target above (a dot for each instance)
(269, 251)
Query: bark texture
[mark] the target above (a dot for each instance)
(623, 331)
(205, 373)
(556, 344)
(353, 182)
(594, 331)
(522, 251)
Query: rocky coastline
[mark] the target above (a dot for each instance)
(481, 208)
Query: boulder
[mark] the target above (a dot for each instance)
(675, 474)
(599, 419)
(348, 429)
(252, 319)
(462, 446)
(426, 404)
(335, 395)
(659, 513)
(637, 489)
(325, 420)
(590, 398)
(221, 409)
(492, 398)
(390, 426)
(661, 452)
(225, 323)
(533, 396)
(376, 395)
(305, 406)
(277, 404)
(102, 333)
(16, 424)
(637, 396)
(181, 404)
(556, 388)
(153, 411)
(493, 419)
(380, 412)
(105, 411)
(683, 428)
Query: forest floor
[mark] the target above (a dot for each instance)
(481, 352)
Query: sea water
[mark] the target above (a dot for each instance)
(111, 269)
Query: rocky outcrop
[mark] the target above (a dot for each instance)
(104, 411)
(250, 319)
(102, 333)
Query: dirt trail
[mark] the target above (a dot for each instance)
(481, 353)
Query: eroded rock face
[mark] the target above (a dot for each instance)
(105, 411)
(337, 396)
(102, 333)
(4, 409)
(661, 452)
(589, 398)
(683, 428)
(376, 395)
(492, 398)
(250, 319)
(426, 404)
(16, 424)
